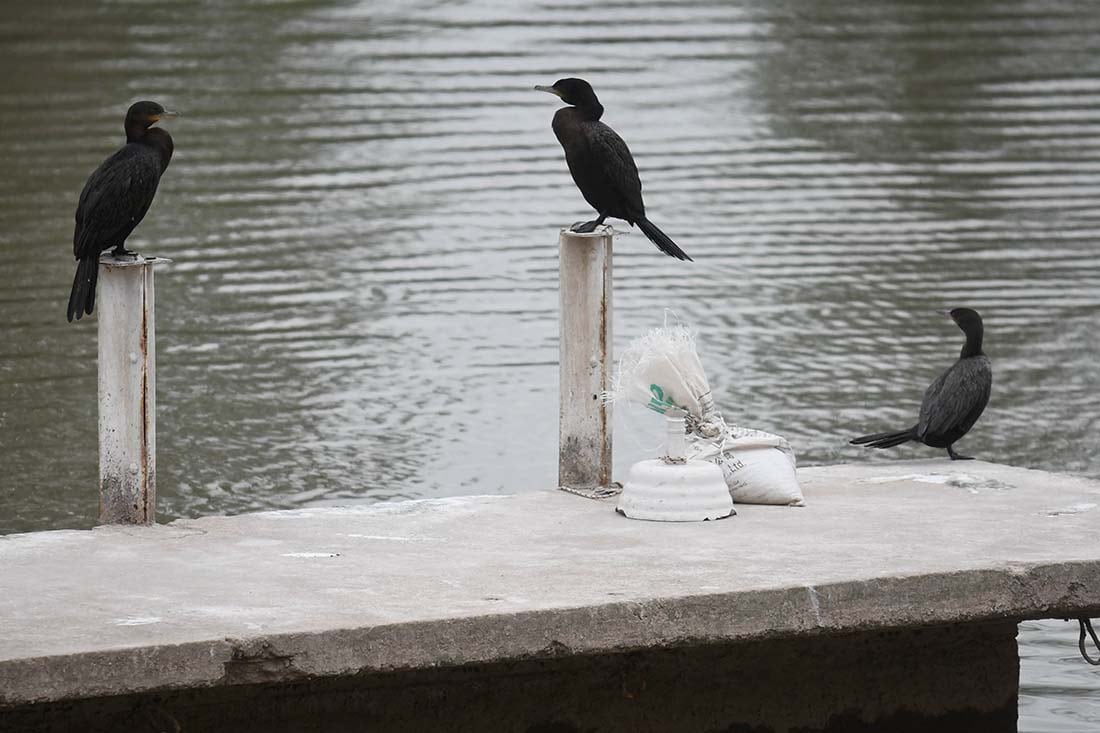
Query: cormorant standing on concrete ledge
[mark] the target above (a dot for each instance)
(952, 403)
(116, 197)
(601, 164)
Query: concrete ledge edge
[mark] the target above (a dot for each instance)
(1060, 590)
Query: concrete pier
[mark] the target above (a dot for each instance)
(888, 603)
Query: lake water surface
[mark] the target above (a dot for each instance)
(363, 213)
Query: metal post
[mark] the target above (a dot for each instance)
(127, 391)
(584, 447)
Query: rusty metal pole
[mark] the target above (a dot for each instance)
(127, 391)
(584, 428)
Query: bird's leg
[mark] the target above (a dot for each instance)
(956, 457)
(120, 251)
(588, 226)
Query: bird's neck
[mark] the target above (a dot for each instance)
(973, 345)
(135, 131)
(159, 140)
(591, 111)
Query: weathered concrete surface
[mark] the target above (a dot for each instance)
(299, 595)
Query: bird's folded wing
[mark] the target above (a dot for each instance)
(611, 150)
(114, 199)
(953, 397)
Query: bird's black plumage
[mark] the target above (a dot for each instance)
(601, 163)
(952, 403)
(116, 198)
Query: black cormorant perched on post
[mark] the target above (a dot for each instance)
(601, 164)
(116, 197)
(952, 403)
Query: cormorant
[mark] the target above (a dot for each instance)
(952, 403)
(601, 164)
(116, 197)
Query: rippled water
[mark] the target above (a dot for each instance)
(1058, 691)
(363, 209)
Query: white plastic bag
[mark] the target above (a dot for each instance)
(662, 371)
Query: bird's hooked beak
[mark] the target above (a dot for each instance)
(165, 115)
(551, 90)
(946, 314)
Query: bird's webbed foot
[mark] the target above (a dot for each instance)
(120, 252)
(588, 226)
(956, 457)
(584, 227)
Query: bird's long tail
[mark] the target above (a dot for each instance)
(662, 241)
(886, 440)
(82, 298)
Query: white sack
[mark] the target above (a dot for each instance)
(758, 466)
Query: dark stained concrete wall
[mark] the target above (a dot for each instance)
(943, 679)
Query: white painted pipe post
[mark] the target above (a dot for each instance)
(584, 431)
(127, 391)
(675, 438)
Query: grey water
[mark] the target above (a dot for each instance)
(362, 213)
